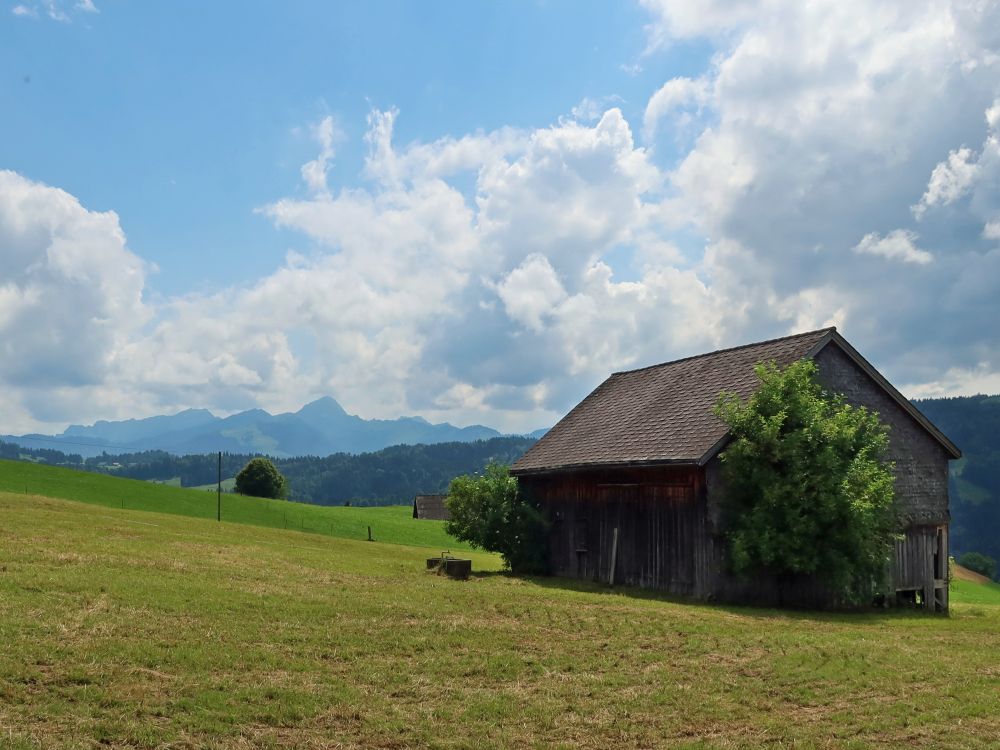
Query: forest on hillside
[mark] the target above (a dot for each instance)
(389, 476)
(973, 424)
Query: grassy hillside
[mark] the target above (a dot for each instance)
(144, 630)
(967, 592)
(228, 485)
(389, 524)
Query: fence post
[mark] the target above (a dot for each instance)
(218, 515)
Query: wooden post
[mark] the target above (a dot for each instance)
(927, 542)
(218, 515)
(947, 567)
(614, 556)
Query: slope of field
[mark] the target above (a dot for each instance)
(964, 574)
(228, 485)
(144, 630)
(968, 592)
(389, 523)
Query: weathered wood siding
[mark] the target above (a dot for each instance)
(669, 539)
(921, 461)
(661, 522)
(921, 565)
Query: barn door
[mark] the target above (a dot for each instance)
(611, 512)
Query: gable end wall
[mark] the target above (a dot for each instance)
(921, 461)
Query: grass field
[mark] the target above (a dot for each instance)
(389, 524)
(967, 592)
(125, 629)
(228, 485)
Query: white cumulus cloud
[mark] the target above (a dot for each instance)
(314, 172)
(676, 94)
(531, 292)
(949, 181)
(70, 292)
(897, 245)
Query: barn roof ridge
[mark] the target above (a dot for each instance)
(662, 413)
(726, 350)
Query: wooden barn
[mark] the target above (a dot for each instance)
(431, 507)
(631, 480)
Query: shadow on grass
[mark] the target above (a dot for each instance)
(495, 574)
(872, 615)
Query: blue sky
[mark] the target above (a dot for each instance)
(476, 211)
(204, 106)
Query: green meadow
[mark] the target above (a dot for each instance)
(388, 523)
(967, 592)
(128, 629)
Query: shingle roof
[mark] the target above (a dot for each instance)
(663, 413)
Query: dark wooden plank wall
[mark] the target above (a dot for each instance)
(661, 521)
(666, 542)
(922, 564)
(665, 539)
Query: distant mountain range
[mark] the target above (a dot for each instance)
(317, 429)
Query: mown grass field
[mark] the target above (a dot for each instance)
(389, 524)
(126, 629)
(966, 592)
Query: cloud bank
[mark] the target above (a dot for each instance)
(842, 165)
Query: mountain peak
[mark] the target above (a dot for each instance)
(325, 406)
(321, 427)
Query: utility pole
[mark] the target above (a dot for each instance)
(218, 492)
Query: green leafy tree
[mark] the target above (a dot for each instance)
(489, 512)
(260, 478)
(808, 488)
(977, 562)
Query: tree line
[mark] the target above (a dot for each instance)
(391, 475)
(973, 423)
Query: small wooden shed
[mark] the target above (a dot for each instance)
(631, 480)
(431, 507)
